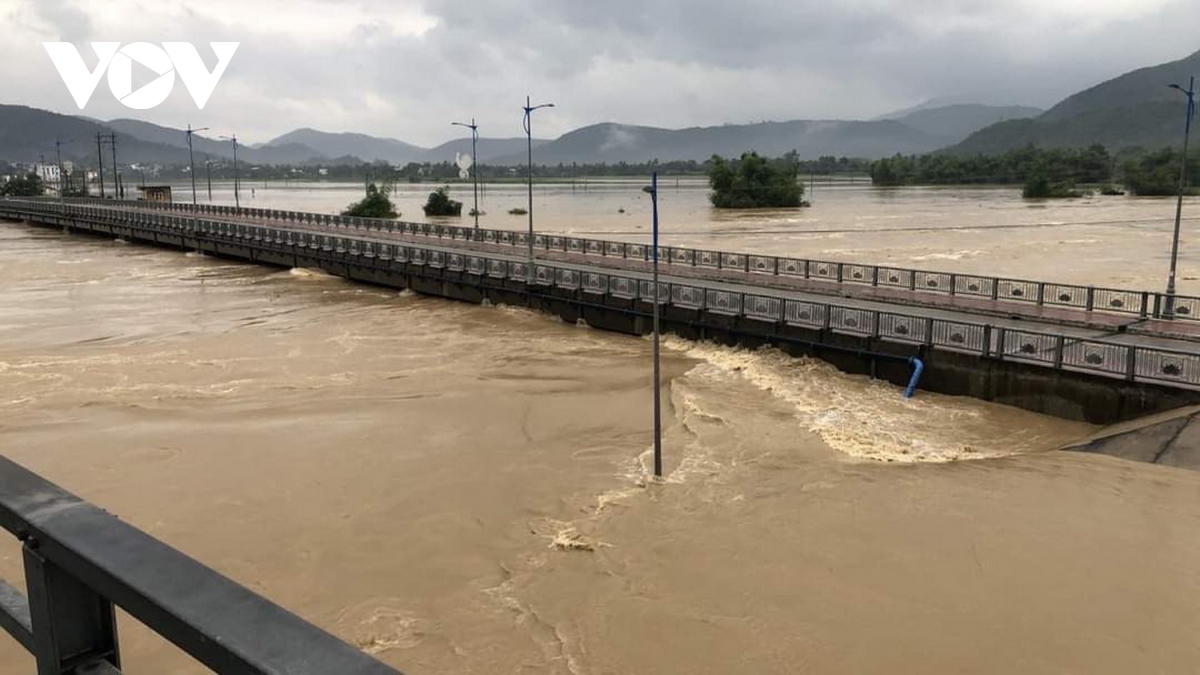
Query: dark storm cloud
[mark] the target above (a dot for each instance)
(407, 69)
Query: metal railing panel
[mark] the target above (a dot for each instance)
(218, 622)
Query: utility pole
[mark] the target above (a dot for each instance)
(100, 156)
(61, 175)
(653, 190)
(528, 124)
(1190, 93)
(117, 192)
(192, 163)
(237, 200)
(474, 163)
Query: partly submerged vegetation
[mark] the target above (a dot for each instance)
(1157, 174)
(377, 204)
(1045, 173)
(27, 185)
(440, 204)
(1088, 165)
(754, 182)
(1040, 185)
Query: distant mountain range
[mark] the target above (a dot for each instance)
(27, 134)
(1137, 109)
(920, 131)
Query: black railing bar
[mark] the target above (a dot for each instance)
(14, 615)
(218, 622)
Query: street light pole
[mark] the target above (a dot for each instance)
(237, 200)
(208, 176)
(192, 161)
(653, 190)
(237, 180)
(474, 162)
(529, 138)
(1190, 92)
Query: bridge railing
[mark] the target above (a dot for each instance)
(1101, 357)
(80, 562)
(1141, 304)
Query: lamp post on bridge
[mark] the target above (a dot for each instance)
(1190, 92)
(528, 124)
(237, 200)
(192, 161)
(474, 163)
(653, 190)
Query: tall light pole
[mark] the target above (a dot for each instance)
(208, 176)
(1190, 92)
(529, 137)
(237, 200)
(474, 162)
(191, 160)
(653, 190)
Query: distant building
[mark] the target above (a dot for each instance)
(154, 193)
(50, 175)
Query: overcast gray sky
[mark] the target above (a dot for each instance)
(406, 68)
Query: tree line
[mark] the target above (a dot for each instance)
(1044, 172)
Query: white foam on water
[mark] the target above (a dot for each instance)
(862, 418)
(380, 624)
(953, 255)
(306, 273)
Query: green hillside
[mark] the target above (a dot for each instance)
(1135, 110)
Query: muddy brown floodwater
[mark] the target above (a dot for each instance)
(464, 489)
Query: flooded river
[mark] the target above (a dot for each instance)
(1123, 242)
(464, 489)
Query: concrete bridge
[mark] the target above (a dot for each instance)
(1098, 354)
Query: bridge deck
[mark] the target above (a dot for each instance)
(1123, 342)
(1101, 323)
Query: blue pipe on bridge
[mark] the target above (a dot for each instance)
(918, 368)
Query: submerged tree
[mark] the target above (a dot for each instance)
(29, 185)
(1039, 184)
(440, 204)
(754, 182)
(375, 205)
(1157, 174)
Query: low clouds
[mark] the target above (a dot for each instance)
(407, 69)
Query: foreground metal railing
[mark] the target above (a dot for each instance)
(80, 562)
(1026, 292)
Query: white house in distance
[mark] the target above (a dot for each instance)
(50, 175)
